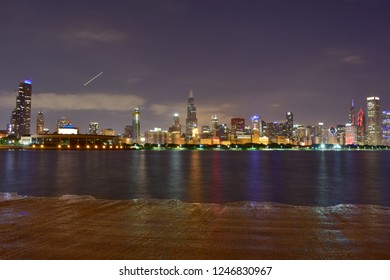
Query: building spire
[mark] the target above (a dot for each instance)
(191, 93)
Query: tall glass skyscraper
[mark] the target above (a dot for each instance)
(361, 127)
(374, 121)
(351, 115)
(214, 124)
(40, 123)
(191, 120)
(386, 128)
(21, 115)
(136, 133)
(289, 125)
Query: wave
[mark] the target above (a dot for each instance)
(14, 196)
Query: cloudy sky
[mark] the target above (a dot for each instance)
(240, 58)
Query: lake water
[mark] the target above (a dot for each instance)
(310, 178)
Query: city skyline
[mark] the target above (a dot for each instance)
(20, 125)
(241, 58)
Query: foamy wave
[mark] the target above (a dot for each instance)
(69, 198)
(4, 196)
(76, 198)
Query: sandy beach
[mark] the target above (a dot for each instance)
(74, 227)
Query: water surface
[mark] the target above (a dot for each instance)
(320, 178)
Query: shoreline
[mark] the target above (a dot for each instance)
(82, 227)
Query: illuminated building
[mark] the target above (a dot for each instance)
(289, 125)
(156, 136)
(237, 127)
(191, 120)
(223, 132)
(21, 115)
(214, 124)
(341, 134)
(386, 128)
(374, 125)
(350, 134)
(176, 127)
(332, 135)
(351, 115)
(275, 132)
(136, 133)
(93, 128)
(206, 132)
(108, 132)
(128, 131)
(319, 135)
(68, 129)
(40, 123)
(361, 127)
(256, 127)
(63, 122)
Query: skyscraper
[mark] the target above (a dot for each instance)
(191, 120)
(214, 124)
(93, 128)
(351, 115)
(289, 125)
(386, 128)
(136, 133)
(361, 127)
(237, 127)
(21, 115)
(374, 125)
(255, 127)
(176, 127)
(40, 123)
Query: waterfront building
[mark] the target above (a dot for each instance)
(128, 131)
(223, 132)
(176, 126)
(275, 132)
(237, 127)
(289, 125)
(386, 128)
(136, 132)
(299, 135)
(319, 134)
(206, 132)
(341, 134)
(157, 136)
(191, 120)
(361, 127)
(40, 123)
(350, 134)
(68, 129)
(310, 134)
(108, 132)
(255, 125)
(63, 122)
(374, 121)
(332, 135)
(93, 128)
(21, 115)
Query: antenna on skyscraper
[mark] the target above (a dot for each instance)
(191, 93)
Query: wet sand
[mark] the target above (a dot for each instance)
(86, 228)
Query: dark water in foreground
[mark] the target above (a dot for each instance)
(289, 177)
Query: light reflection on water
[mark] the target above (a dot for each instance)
(289, 177)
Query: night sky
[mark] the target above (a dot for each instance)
(240, 58)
